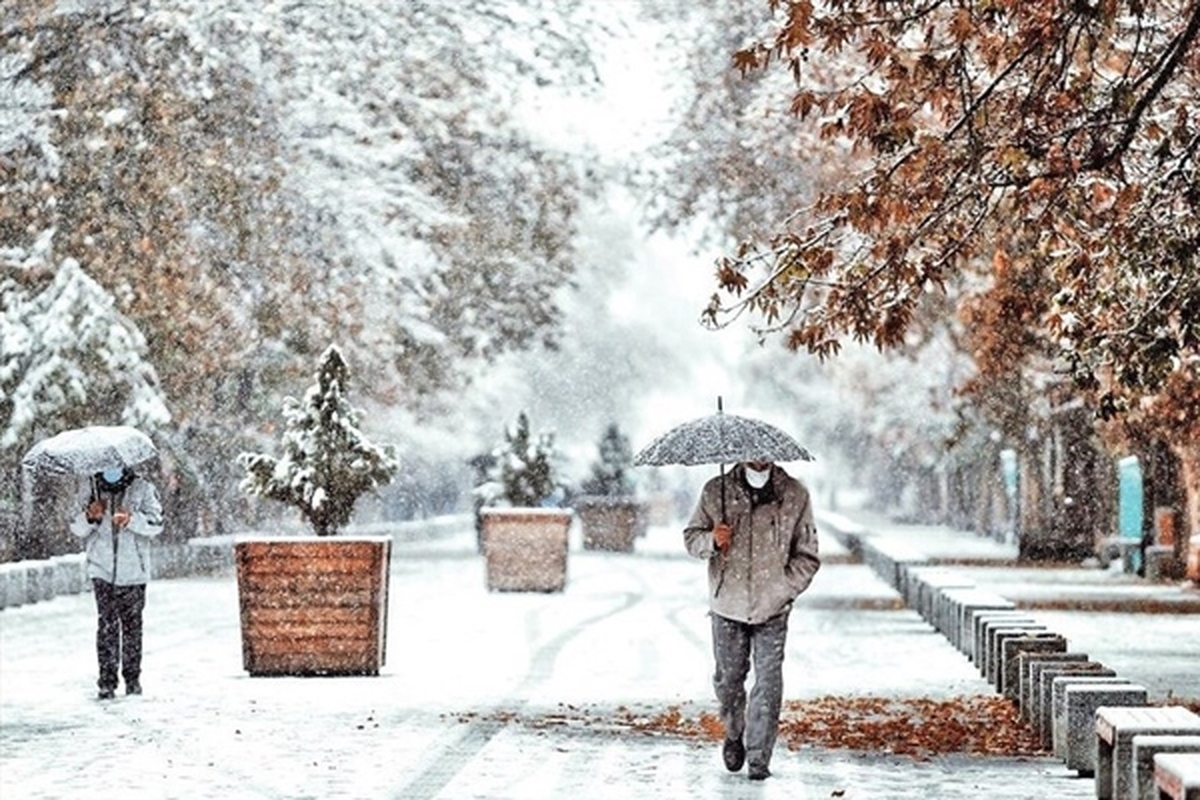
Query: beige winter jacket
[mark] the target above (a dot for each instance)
(772, 557)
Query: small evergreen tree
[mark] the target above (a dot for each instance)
(611, 472)
(68, 357)
(327, 462)
(522, 470)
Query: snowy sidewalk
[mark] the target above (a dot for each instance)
(629, 631)
(1144, 630)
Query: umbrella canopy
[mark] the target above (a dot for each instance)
(721, 439)
(85, 451)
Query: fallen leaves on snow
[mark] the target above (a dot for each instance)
(916, 727)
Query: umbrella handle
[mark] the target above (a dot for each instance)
(721, 410)
(723, 520)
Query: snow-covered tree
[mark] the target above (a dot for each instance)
(327, 462)
(157, 170)
(611, 472)
(522, 471)
(726, 161)
(67, 356)
(247, 180)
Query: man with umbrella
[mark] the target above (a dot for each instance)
(117, 512)
(754, 526)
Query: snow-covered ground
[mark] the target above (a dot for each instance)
(629, 631)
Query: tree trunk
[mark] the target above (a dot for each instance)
(1064, 491)
(1189, 467)
(1080, 520)
(1033, 526)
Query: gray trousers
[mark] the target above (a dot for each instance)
(734, 645)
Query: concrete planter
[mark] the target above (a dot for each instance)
(313, 606)
(610, 523)
(525, 549)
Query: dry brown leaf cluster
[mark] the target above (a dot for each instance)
(1190, 703)
(916, 727)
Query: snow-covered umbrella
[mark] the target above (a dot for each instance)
(721, 439)
(88, 450)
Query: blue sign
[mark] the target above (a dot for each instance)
(1129, 508)
(1129, 498)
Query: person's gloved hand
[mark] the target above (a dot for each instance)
(722, 536)
(94, 511)
(121, 518)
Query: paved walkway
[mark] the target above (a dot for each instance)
(629, 634)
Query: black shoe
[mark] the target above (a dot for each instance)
(107, 694)
(133, 688)
(759, 772)
(735, 754)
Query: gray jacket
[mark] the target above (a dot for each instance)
(122, 559)
(772, 557)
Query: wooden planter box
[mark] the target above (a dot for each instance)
(313, 606)
(610, 523)
(525, 549)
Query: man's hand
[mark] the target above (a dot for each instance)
(722, 536)
(121, 518)
(94, 511)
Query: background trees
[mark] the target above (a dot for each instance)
(1032, 164)
(1001, 195)
(239, 185)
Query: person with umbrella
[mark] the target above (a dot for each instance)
(117, 513)
(754, 526)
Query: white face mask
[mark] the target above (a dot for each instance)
(758, 479)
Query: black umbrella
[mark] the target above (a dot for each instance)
(721, 439)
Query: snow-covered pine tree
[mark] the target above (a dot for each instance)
(67, 357)
(611, 472)
(327, 462)
(523, 470)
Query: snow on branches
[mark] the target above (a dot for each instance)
(327, 462)
(522, 470)
(67, 356)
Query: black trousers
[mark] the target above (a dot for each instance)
(119, 631)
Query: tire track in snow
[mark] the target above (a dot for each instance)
(699, 642)
(459, 753)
